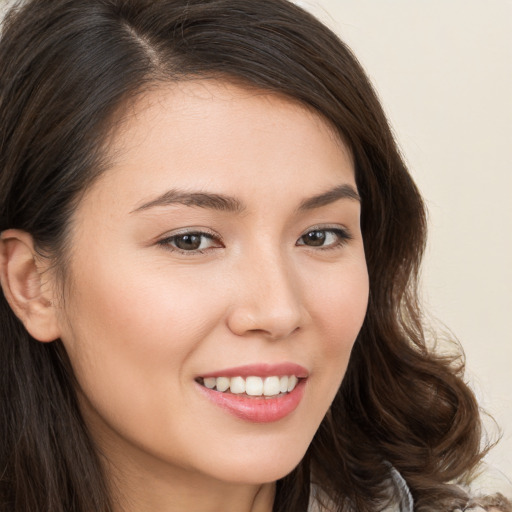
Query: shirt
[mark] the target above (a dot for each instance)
(484, 482)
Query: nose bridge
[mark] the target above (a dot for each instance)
(269, 299)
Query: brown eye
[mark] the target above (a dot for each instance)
(324, 238)
(314, 238)
(190, 242)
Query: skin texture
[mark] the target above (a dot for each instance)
(142, 320)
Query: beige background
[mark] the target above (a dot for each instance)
(443, 70)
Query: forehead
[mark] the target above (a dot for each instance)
(211, 104)
(213, 134)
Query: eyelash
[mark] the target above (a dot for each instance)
(342, 235)
(168, 241)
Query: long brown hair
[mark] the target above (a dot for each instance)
(68, 66)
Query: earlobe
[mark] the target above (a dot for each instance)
(26, 286)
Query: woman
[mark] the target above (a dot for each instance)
(210, 247)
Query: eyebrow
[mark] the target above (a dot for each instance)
(334, 194)
(200, 199)
(226, 203)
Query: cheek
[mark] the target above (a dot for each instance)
(338, 302)
(127, 331)
(139, 308)
(130, 334)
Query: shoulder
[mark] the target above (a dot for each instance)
(488, 489)
(402, 500)
(398, 499)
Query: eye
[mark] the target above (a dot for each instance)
(192, 241)
(326, 238)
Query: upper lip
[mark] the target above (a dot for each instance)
(260, 370)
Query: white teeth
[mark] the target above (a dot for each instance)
(253, 386)
(292, 382)
(210, 382)
(271, 386)
(237, 385)
(222, 383)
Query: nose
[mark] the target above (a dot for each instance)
(268, 299)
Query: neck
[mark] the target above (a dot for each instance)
(138, 494)
(140, 483)
(165, 498)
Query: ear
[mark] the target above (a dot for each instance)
(26, 286)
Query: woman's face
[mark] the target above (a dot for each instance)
(221, 248)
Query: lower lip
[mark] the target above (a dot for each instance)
(257, 410)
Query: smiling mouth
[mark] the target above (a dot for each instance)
(252, 386)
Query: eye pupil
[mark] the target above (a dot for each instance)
(188, 242)
(315, 238)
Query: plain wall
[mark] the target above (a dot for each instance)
(443, 70)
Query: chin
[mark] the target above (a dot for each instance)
(267, 466)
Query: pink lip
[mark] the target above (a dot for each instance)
(256, 409)
(261, 370)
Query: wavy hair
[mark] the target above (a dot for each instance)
(68, 68)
